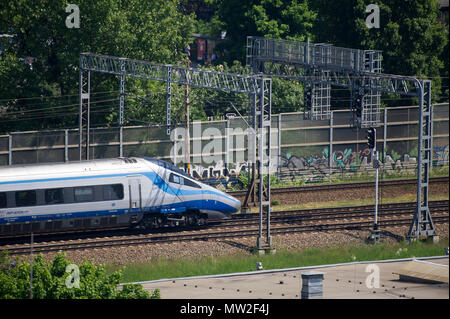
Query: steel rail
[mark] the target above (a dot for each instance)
(361, 225)
(352, 225)
(329, 187)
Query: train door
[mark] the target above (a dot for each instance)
(135, 193)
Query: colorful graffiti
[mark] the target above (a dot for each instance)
(316, 167)
(218, 171)
(350, 159)
(342, 159)
(440, 156)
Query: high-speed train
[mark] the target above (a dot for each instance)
(135, 192)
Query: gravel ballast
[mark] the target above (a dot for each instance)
(146, 253)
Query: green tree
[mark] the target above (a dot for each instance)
(272, 18)
(410, 36)
(287, 96)
(151, 30)
(50, 281)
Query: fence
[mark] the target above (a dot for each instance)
(312, 150)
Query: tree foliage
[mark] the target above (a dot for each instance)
(291, 20)
(49, 281)
(151, 30)
(45, 94)
(411, 37)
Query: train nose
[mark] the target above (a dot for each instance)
(236, 204)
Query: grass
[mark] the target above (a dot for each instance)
(173, 268)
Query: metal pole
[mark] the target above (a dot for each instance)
(268, 109)
(375, 226)
(187, 163)
(168, 100)
(88, 117)
(330, 151)
(66, 145)
(422, 224)
(385, 134)
(80, 115)
(259, 159)
(121, 105)
(307, 51)
(227, 143)
(85, 89)
(431, 139)
(31, 266)
(418, 216)
(279, 148)
(10, 138)
(121, 141)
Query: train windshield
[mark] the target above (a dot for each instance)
(166, 165)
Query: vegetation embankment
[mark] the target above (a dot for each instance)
(61, 279)
(174, 268)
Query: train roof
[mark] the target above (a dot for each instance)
(71, 167)
(78, 167)
(166, 165)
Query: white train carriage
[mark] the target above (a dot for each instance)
(143, 192)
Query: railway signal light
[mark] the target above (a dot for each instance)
(308, 92)
(376, 163)
(359, 104)
(371, 137)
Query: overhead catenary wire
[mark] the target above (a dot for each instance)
(240, 100)
(50, 108)
(31, 114)
(53, 96)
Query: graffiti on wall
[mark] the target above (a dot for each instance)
(351, 159)
(315, 167)
(440, 155)
(341, 158)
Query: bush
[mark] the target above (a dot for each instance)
(244, 179)
(61, 279)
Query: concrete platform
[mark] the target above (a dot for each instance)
(344, 281)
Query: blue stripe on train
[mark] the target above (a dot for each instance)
(172, 208)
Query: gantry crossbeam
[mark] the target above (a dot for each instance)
(228, 82)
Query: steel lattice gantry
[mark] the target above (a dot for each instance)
(359, 70)
(258, 88)
(314, 64)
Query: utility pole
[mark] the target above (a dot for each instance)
(187, 162)
(31, 266)
(372, 142)
(376, 165)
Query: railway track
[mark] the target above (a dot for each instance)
(313, 215)
(342, 186)
(299, 189)
(346, 218)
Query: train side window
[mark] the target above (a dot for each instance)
(84, 194)
(25, 198)
(3, 200)
(112, 192)
(54, 196)
(176, 179)
(190, 183)
(182, 181)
